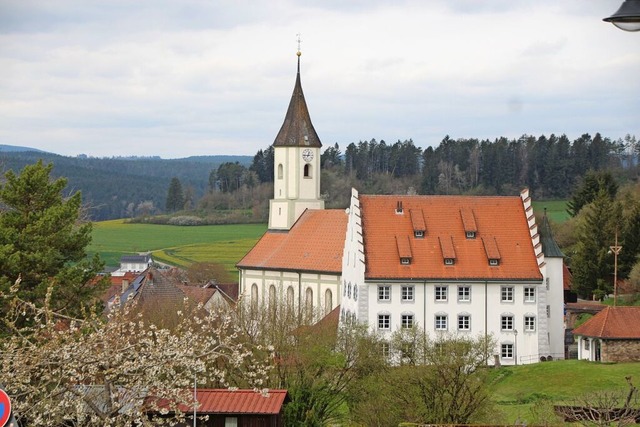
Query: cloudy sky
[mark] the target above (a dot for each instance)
(177, 78)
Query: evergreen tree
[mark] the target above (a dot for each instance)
(592, 264)
(175, 196)
(592, 185)
(43, 241)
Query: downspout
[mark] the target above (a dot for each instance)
(486, 335)
(299, 298)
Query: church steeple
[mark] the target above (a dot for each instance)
(296, 185)
(297, 129)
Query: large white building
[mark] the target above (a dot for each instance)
(450, 264)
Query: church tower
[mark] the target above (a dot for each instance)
(296, 164)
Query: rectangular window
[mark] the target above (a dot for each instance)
(586, 344)
(464, 293)
(506, 351)
(470, 234)
(405, 261)
(529, 323)
(548, 311)
(441, 322)
(506, 294)
(464, 322)
(385, 349)
(384, 293)
(529, 294)
(418, 233)
(407, 293)
(506, 323)
(407, 321)
(448, 261)
(384, 321)
(441, 293)
(493, 262)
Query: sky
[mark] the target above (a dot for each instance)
(179, 78)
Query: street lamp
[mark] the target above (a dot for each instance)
(615, 249)
(515, 346)
(627, 18)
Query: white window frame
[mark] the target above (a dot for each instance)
(470, 234)
(418, 233)
(441, 293)
(384, 319)
(408, 293)
(464, 296)
(529, 323)
(385, 291)
(529, 294)
(493, 262)
(507, 322)
(449, 261)
(407, 321)
(441, 322)
(506, 293)
(465, 319)
(506, 351)
(405, 261)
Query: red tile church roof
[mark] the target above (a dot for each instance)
(314, 243)
(502, 233)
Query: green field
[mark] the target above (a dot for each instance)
(556, 209)
(522, 392)
(225, 244)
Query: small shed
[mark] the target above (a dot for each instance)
(238, 408)
(612, 335)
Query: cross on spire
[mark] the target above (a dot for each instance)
(299, 53)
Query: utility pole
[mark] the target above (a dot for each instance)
(616, 248)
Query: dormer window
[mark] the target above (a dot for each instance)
(418, 234)
(493, 262)
(448, 261)
(471, 234)
(405, 261)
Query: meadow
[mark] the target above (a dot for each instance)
(180, 246)
(528, 392)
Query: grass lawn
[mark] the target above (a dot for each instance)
(519, 390)
(177, 245)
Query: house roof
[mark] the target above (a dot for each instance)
(612, 323)
(314, 243)
(297, 129)
(502, 232)
(225, 401)
(135, 258)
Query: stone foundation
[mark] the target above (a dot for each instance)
(620, 351)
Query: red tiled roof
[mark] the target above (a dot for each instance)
(224, 401)
(500, 220)
(567, 277)
(612, 323)
(314, 243)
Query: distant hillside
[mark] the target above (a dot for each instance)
(13, 148)
(115, 187)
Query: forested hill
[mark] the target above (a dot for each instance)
(119, 187)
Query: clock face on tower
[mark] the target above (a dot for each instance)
(307, 155)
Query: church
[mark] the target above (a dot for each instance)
(457, 265)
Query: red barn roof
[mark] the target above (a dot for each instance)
(612, 323)
(224, 401)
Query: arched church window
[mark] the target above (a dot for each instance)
(328, 301)
(280, 171)
(307, 171)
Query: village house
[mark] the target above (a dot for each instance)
(462, 265)
(612, 335)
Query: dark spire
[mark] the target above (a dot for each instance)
(549, 246)
(297, 129)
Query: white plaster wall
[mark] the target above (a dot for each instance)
(353, 265)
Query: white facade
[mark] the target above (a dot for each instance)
(320, 292)
(296, 185)
(524, 317)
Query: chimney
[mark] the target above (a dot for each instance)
(399, 207)
(125, 284)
